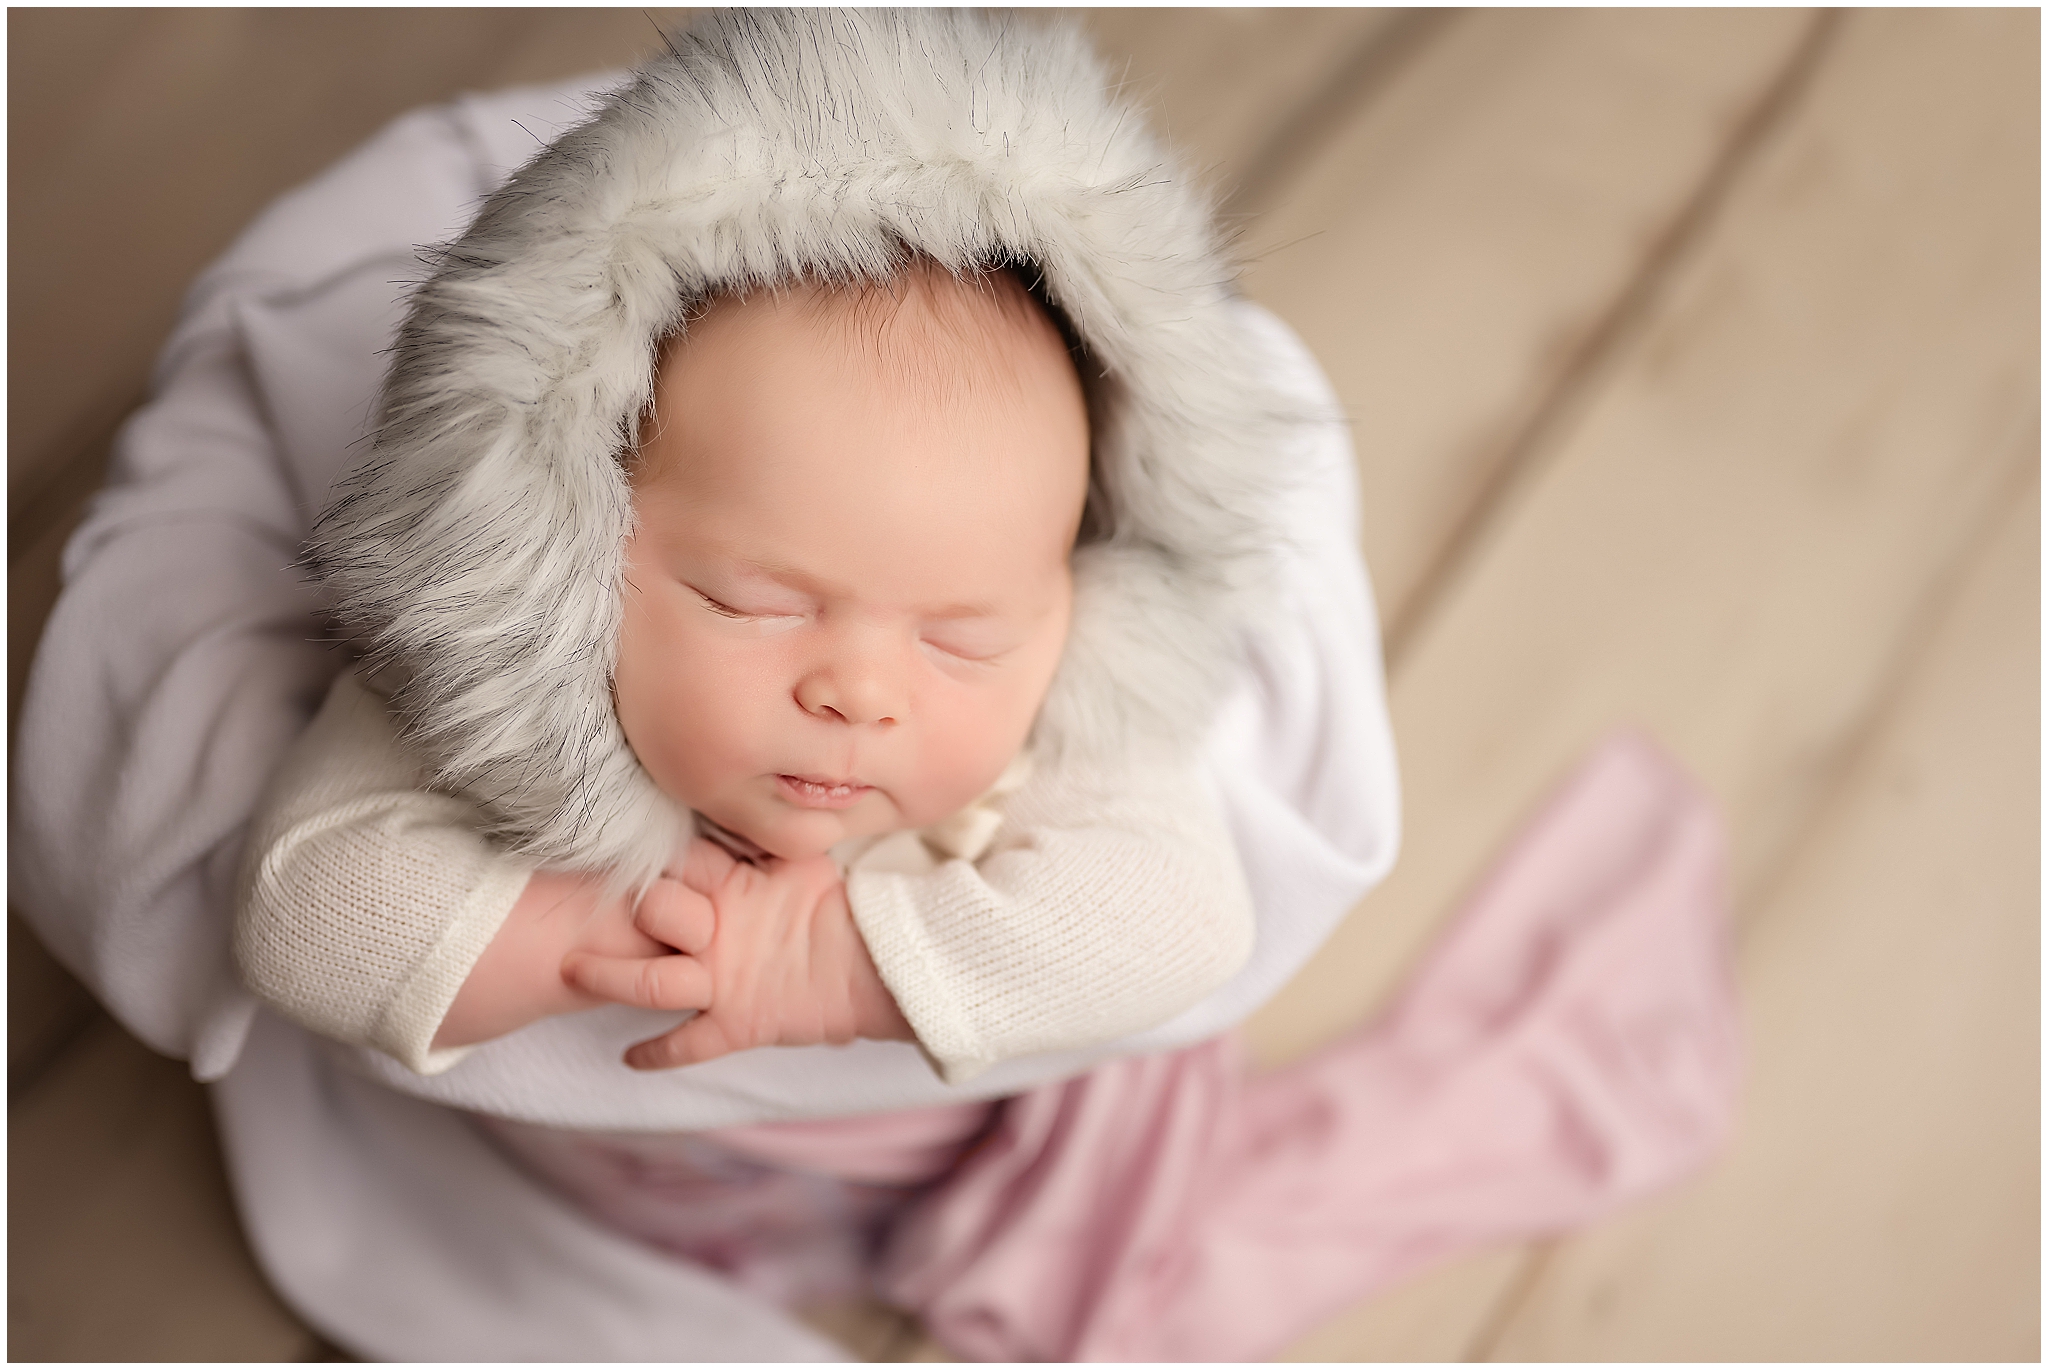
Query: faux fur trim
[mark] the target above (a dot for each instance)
(477, 554)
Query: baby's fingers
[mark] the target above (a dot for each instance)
(700, 1039)
(676, 916)
(657, 982)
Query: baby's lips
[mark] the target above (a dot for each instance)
(807, 792)
(824, 781)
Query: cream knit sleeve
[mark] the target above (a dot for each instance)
(367, 899)
(1105, 903)
(1085, 905)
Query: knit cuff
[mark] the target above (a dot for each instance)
(405, 1030)
(899, 942)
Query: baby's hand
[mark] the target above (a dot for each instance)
(772, 959)
(519, 978)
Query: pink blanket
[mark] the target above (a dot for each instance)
(1568, 1045)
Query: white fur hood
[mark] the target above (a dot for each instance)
(477, 553)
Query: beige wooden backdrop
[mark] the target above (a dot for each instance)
(1693, 362)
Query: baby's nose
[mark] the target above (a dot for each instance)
(853, 691)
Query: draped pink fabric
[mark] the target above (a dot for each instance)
(1568, 1045)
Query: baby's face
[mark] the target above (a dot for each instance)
(848, 586)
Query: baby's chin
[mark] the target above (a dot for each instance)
(795, 834)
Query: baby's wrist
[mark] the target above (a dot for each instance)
(875, 1013)
(518, 979)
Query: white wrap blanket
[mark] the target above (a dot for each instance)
(186, 653)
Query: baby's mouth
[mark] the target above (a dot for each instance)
(811, 792)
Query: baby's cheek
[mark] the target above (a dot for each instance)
(962, 757)
(701, 735)
(660, 694)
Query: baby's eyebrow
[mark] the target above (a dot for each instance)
(789, 577)
(976, 610)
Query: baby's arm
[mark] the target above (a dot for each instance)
(1109, 900)
(518, 978)
(376, 913)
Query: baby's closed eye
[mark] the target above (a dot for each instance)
(747, 610)
(722, 610)
(971, 640)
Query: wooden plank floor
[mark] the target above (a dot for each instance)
(1693, 365)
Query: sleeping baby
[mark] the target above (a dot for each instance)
(844, 597)
(844, 594)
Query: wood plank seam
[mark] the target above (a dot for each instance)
(1527, 455)
(22, 1080)
(60, 487)
(1376, 63)
(1936, 603)
(1859, 760)
(1583, 378)
(54, 513)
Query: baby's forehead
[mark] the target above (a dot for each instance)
(932, 410)
(976, 332)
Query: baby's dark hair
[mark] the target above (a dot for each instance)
(868, 309)
(1018, 297)
(1016, 290)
